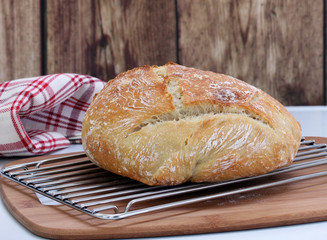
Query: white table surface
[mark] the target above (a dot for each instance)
(314, 123)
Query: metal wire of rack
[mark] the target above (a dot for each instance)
(76, 182)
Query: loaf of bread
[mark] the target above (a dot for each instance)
(171, 124)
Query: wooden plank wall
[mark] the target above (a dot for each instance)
(20, 39)
(276, 45)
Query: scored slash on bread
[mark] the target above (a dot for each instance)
(166, 125)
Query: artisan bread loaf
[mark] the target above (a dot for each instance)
(171, 124)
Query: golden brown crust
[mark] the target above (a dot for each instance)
(171, 124)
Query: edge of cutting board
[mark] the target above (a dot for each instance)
(299, 202)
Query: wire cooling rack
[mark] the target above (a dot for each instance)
(76, 182)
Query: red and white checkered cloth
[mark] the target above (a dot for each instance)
(38, 114)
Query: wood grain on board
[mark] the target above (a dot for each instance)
(20, 39)
(293, 203)
(274, 45)
(105, 38)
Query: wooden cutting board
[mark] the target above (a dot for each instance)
(299, 202)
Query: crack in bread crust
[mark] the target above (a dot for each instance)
(182, 112)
